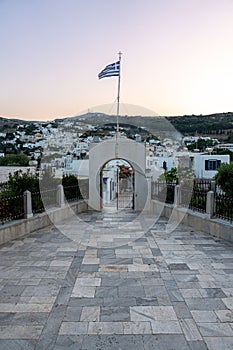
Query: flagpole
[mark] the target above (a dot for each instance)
(118, 105)
(118, 92)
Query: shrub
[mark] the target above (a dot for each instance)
(224, 178)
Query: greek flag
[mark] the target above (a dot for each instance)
(112, 70)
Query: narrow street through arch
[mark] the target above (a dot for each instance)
(117, 187)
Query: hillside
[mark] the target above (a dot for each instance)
(10, 125)
(219, 124)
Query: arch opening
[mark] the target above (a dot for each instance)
(117, 182)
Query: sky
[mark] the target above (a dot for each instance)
(177, 56)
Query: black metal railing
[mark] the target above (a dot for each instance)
(170, 196)
(11, 207)
(48, 198)
(37, 203)
(163, 191)
(199, 195)
(223, 207)
(192, 195)
(198, 200)
(202, 184)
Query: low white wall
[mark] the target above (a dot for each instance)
(200, 222)
(19, 228)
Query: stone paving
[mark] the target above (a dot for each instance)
(163, 291)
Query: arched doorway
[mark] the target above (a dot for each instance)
(117, 185)
(126, 150)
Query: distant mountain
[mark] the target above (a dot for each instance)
(89, 115)
(10, 125)
(2, 118)
(219, 124)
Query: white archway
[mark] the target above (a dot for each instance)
(135, 154)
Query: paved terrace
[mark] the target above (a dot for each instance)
(160, 291)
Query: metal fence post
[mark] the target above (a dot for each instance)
(210, 204)
(27, 203)
(60, 196)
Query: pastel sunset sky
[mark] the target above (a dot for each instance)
(177, 56)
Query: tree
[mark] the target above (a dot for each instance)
(20, 182)
(224, 178)
(181, 175)
(169, 176)
(125, 171)
(70, 180)
(201, 144)
(14, 160)
(230, 137)
(71, 187)
(10, 136)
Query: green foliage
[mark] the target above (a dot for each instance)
(201, 144)
(14, 160)
(224, 178)
(20, 182)
(75, 188)
(178, 175)
(169, 176)
(198, 202)
(70, 180)
(224, 208)
(10, 207)
(230, 137)
(43, 187)
(206, 124)
(10, 136)
(30, 129)
(71, 187)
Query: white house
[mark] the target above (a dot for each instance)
(109, 184)
(203, 165)
(224, 146)
(206, 165)
(77, 167)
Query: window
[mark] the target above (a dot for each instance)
(212, 164)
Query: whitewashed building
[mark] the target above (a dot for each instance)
(206, 165)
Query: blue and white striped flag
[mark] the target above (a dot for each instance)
(112, 70)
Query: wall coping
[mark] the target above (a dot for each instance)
(199, 221)
(19, 228)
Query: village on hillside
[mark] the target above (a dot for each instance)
(64, 146)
